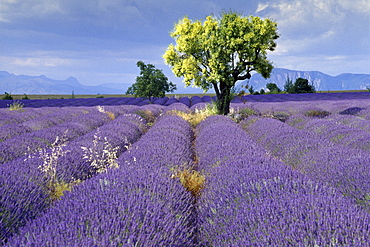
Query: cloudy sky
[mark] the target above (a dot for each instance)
(100, 41)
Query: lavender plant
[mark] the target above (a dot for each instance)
(252, 199)
(137, 204)
(22, 196)
(318, 158)
(337, 132)
(26, 189)
(26, 143)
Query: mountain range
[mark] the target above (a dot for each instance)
(23, 84)
(321, 81)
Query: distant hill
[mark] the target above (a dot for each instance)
(321, 81)
(23, 84)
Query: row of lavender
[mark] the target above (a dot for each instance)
(21, 144)
(31, 182)
(17, 123)
(253, 199)
(165, 101)
(188, 101)
(358, 107)
(209, 207)
(138, 204)
(344, 168)
(250, 198)
(347, 130)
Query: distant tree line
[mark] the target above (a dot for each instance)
(301, 85)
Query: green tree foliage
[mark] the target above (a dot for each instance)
(25, 96)
(300, 86)
(7, 96)
(288, 87)
(151, 82)
(273, 88)
(221, 51)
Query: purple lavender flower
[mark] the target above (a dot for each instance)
(253, 199)
(317, 157)
(137, 204)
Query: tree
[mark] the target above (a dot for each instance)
(273, 88)
(300, 86)
(221, 51)
(288, 87)
(151, 82)
(7, 96)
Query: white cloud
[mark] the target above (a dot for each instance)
(41, 61)
(356, 6)
(311, 15)
(11, 10)
(320, 26)
(290, 46)
(90, 39)
(261, 7)
(336, 58)
(306, 16)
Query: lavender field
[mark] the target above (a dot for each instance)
(280, 170)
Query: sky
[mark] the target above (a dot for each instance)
(100, 41)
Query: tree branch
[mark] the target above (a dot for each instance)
(243, 77)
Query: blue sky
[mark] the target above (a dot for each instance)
(100, 41)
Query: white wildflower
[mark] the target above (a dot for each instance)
(101, 159)
(100, 108)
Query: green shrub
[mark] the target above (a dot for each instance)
(246, 112)
(7, 96)
(317, 113)
(273, 88)
(281, 115)
(25, 96)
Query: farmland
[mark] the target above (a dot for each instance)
(280, 170)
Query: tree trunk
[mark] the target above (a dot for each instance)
(223, 99)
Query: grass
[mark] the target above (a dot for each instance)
(109, 114)
(147, 115)
(317, 113)
(16, 106)
(192, 180)
(194, 118)
(54, 187)
(57, 189)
